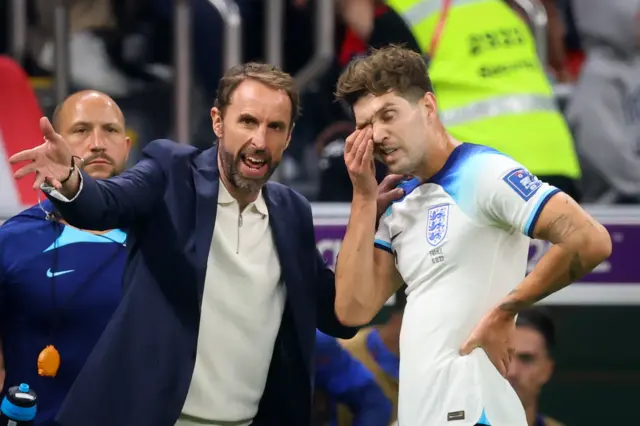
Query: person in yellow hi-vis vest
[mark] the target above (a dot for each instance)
(490, 85)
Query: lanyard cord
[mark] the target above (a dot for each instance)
(442, 22)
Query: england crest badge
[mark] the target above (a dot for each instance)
(437, 223)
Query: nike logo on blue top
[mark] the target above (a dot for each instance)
(57, 274)
(84, 276)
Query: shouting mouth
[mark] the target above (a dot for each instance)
(254, 166)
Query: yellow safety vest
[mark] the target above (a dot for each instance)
(489, 83)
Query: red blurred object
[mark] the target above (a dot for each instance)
(574, 61)
(351, 43)
(20, 115)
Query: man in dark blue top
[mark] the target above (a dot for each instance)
(345, 380)
(60, 285)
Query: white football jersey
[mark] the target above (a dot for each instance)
(460, 243)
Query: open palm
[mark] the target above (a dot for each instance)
(50, 161)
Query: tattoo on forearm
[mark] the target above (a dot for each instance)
(560, 228)
(570, 233)
(563, 227)
(515, 303)
(576, 269)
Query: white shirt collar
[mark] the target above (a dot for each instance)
(225, 198)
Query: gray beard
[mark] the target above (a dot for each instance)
(229, 165)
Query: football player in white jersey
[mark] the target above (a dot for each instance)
(459, 239)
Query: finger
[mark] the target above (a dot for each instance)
(358, 158)
(25, 170)
(50, 181)
(506, 362)
(48, 132)
(509, 358)
(502, 368)
(367, 159)
(391, 181)
(56, 184)
(358, 146)
(388, 197)
(360, 139)
(365, 135)
(468, 347)
(26, 155)
(39, 179)
(348, 143)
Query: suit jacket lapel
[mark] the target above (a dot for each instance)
(278, 222)
(281, 230)
(205, 179)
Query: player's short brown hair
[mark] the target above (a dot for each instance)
(390, 69)
(267, 74)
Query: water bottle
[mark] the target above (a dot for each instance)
(19, 406)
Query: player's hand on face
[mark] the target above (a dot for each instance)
(49, 161)
(358, 157)
(388, 193)
(493, 334)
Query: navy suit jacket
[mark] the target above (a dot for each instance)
(140, 370)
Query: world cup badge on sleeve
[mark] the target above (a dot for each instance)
(523, 183)
(437, 223)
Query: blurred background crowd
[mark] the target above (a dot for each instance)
(161, 61)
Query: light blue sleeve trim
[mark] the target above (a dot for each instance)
(384, 245)
(483, 419)
(535, 213)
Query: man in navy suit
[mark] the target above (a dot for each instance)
(224, 286)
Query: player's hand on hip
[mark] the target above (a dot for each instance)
(388, 192)
(493, 334)
(358, 157)
(50, 161)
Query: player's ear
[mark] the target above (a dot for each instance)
(216, 121)
(430, 104)
(293, 125)
(127, 142)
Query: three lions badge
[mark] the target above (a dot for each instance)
(437, 223)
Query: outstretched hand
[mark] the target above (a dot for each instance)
(49, 161)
